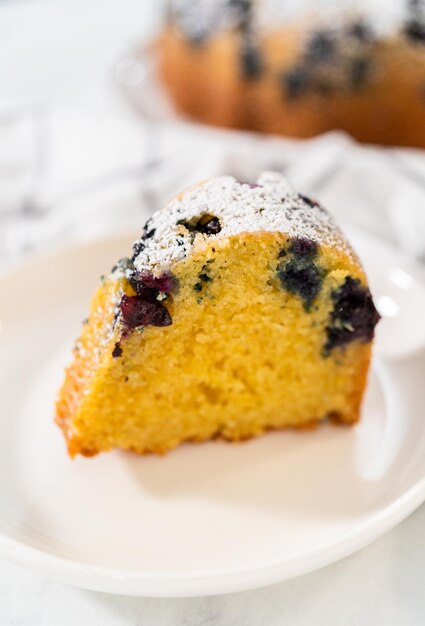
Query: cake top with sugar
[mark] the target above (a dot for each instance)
(223, 207)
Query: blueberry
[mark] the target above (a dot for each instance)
(136, 312)
(415, 31)
(149, 286)
(251, 63)
(165, 282)
(117, 351)
(295, 82)
(203, 278)
(206, 224)
(320, 47)
(354, 315)
(303, 247)
(302, 279)
(212, 227)
(148, 232)
(138, 247)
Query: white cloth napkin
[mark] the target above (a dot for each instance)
(68, 176)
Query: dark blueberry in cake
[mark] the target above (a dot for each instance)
(251, 63)
(148, 231)
(295, 82)
(117, 351)
(302, 279)
(136, 311)
(359, 71)
(360, 30)
(147, 293)
(210, 227)
(354, 315)
(148, 286)
(138, 247)
(303, 247)
(165, 282)
(321, 47)
(415, 31)
(311, 203)
(206, 224)
(203, 278)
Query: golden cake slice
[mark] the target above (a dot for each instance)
(242, 309)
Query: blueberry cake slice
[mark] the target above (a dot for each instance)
(242, 309)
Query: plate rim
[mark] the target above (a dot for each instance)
(215, 582)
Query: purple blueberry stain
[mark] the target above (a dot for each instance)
(136, 312)
(164, 283)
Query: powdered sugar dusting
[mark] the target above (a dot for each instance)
(271, 205)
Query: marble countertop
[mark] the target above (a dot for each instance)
(380, 585)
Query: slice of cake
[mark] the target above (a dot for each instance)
(242, 309)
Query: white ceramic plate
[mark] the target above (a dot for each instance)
(209, 518)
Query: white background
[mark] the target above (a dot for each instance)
(61, 52)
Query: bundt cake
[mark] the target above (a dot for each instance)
(235, 63)
(242, 309)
